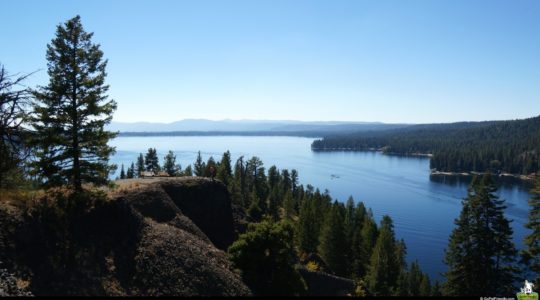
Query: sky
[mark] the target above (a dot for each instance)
(388, 61)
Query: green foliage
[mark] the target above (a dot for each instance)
(265, 256)
(384, 268)
(170, 166)
(531, 254)
(140, 165)
(131, 171)
(151, 161)
(273, 204)
(362, 235)
(333, 241)
(70, 113)
(425, 286)
(436, 290)
(254, 210)
(188, 171)
(122, 172)
(224, 171)
(480, 253)
(507, 146)
(414, 279)
(199, 167)
(273, 177)
(307, 231)
(288, 206)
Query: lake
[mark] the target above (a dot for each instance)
(423, 208)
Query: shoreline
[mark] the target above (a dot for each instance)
(529, 177)
(523, 177)
(372, 150)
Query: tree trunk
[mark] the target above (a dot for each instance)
(77, 184)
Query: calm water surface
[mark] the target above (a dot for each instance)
(423, 209)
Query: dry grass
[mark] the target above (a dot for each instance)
(18, 198)
(23, 284)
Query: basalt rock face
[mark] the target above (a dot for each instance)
(208, 205)
(160, 238)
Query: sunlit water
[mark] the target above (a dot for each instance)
(423, 209)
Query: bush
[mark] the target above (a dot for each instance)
(265, 255)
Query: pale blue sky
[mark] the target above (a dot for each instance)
(390, 61)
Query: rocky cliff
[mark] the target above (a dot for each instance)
(151, 237)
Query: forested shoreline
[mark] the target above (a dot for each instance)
(496, 146)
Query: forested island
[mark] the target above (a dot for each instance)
(496, 146)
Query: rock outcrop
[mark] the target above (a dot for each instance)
(157, 237)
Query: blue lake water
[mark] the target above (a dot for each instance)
(423, 209)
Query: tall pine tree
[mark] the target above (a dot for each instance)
(140, 165)
(199, 167)
(384, 268)
(480, 254)
(224, 171)
(169, 164)
(151, 160)
(70, 113)
(531, 253)
(333, 243)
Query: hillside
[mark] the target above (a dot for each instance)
(150, 237)
(245, 127)
(153, 238)
(498, 146)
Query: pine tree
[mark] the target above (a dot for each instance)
(140, 165)
(286, 183)
(152, 161)
(349, 227)
(273, 177)
(400, 268)
(531, 254)
(199, 167)
(425, 286)
(307, 234)
(480, 254)
(256, 177)
(383, 274)
(169, 164)
(359, 255)
(224, 172)
(294, 181)
(369, 234)
(70, 113)
(288, 206)
(240, 181)
(188, 171)
(273, 204)
(131, 171)
(415, 279)
(122, 172)
(436, 290)
(333, 241)
(254, 210)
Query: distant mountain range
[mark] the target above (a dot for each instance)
(249, 126)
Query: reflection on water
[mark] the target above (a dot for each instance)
(423, 207)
